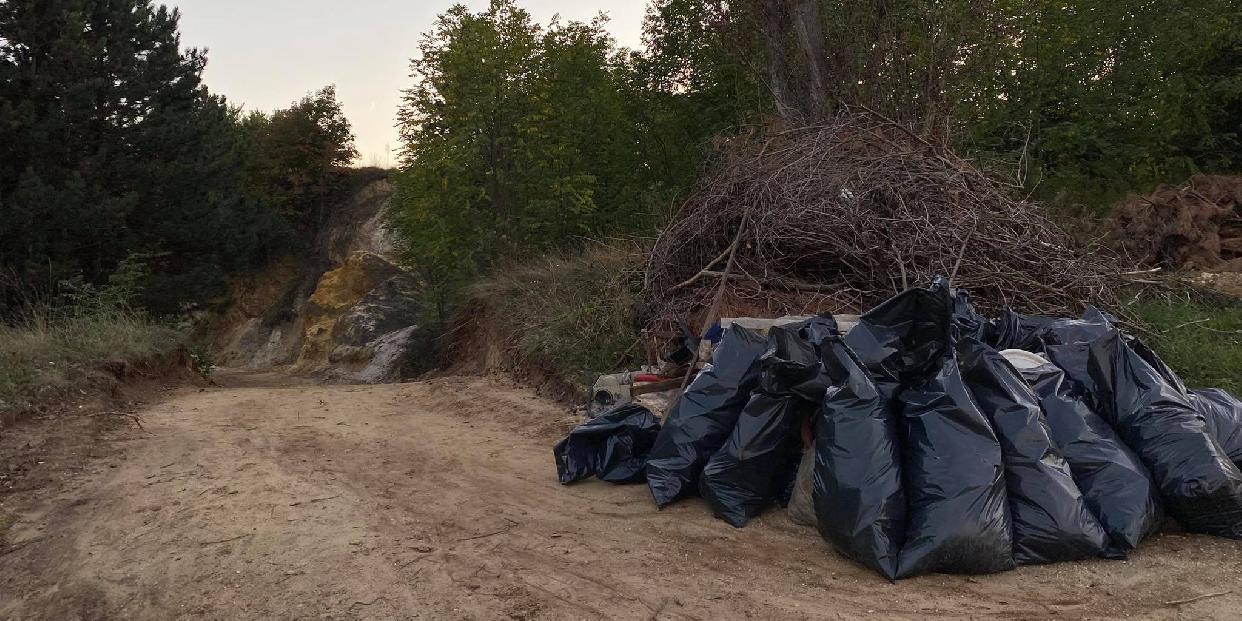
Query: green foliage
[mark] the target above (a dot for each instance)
(572, 314)
(1199, 338)
(298, 152)
(112, 147)
(203, 359)
(1089, 100)
(520, 138)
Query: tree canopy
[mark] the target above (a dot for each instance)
(111, 147)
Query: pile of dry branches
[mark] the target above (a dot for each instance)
(840, 216)
(1197, 226)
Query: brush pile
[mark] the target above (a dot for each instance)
(838, 217)
(1197, 226)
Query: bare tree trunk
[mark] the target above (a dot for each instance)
(807, 24)
(774, 20)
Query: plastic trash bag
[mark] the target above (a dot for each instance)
(1051, 520)
(758, 462)
(958, 510)
(790, 366)
(1116, 485)
(1031, 333)
(968, 321)
(705, 415)
(1093, 325)
(860, 505)
(612, 446)
(1201, 487)
(903, 339)
(802, 502)
(1223, 414)
(1015, 331)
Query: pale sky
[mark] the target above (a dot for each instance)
(265, 54)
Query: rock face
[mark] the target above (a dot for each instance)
(348, 313)
(362, 321)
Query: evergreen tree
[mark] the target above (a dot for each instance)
(110, 145)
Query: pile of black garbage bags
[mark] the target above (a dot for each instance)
(933, 450)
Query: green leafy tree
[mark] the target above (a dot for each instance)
(299, 152)
(519, 138)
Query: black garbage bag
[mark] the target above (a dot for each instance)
(1223, 414)
(759, 461)
(1093, 325)
(968, 321)
(790, 366)
(705, 415)
(1116, 485)
(860, 505)
(958, 512)
(612, 446)
(905, 338)
(1051, 520)
(1201, 487)
(1015, 331)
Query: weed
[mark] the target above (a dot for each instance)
(47, 346)
(573, 314)
(1199, 337)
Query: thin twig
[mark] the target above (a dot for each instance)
(1179, 602)
(211, 543)
(312, 501)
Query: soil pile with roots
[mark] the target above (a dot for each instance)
(1197, 226)
(839, 217)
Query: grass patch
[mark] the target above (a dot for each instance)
(571, 314)
(1199, 337)
(46, 348)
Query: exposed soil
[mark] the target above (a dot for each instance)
(266, 499)
(1197, 226)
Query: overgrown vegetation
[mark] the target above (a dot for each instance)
(571, 314)
(50, 349)
(1198, 335)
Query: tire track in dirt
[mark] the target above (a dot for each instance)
(438, 500)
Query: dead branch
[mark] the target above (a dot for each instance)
(839, 214)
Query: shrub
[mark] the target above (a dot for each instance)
(572, 315)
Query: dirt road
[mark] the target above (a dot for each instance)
(438, 500)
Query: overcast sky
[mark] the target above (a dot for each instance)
(267, 53)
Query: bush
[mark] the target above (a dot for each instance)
(572, 315)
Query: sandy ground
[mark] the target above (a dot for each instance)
(261, 499)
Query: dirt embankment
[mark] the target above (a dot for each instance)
(266, 498)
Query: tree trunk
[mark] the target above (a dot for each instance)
(807, 24)
(775, 20)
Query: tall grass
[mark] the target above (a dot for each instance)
(48, 348)
(573, 315)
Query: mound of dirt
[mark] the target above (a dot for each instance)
(838, 217)
(1196, 226)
